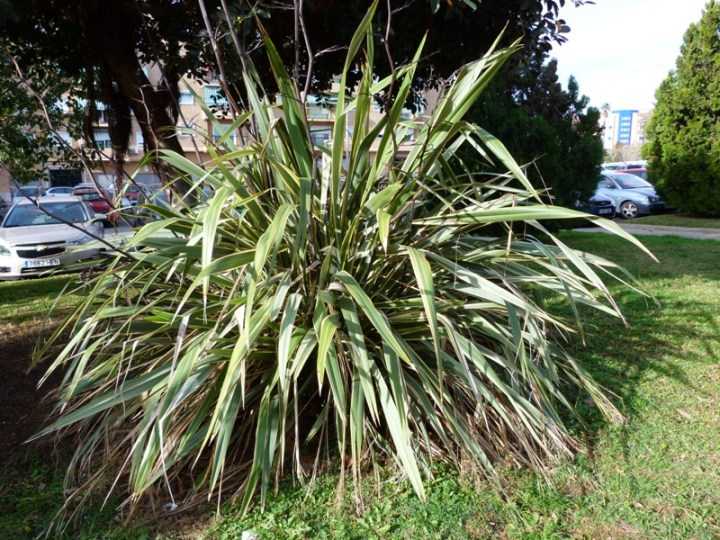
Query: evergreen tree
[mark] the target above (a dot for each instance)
(550, 129)
(684, 147)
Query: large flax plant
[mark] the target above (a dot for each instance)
(338, 303)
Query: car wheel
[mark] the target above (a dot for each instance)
(628, 210)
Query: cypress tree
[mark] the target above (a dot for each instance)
(684, 133)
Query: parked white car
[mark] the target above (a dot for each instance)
(60, 190)
(34, 238)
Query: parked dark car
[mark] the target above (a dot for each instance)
(158, 198)
(597, 204)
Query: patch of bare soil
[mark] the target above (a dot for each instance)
(23, 406)
(24, 410)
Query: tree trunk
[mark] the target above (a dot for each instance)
(110, 29)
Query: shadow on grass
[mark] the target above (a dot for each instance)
(668, 340)
(29, 302)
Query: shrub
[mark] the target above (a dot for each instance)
(348, 307)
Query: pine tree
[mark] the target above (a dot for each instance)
(684, 133)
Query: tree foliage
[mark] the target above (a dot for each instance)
(107, 44)
(37, 105)
(549, 129)
(683, 151)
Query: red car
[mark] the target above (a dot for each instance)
(134, 194)
(99, 201)
(642, 173)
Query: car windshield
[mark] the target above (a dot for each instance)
(637, 172)
(630, 181)
(28, 191)
(25, 215)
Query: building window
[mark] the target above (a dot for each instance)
(102, 139)
(186, 98)
(63, 138)
(214, 97)
(139, 143)
(320, 106)
(219, 131)
(317, 111)
(101, 115)
(320, 136)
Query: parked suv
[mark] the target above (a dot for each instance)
(631, 194)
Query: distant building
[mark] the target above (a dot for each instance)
(624, 128)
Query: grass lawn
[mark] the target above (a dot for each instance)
(30, 300)
(655, 476)
(678, 220)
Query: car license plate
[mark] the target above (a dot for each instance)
(42, 263)
(605, 211)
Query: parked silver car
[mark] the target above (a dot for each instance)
(23, 192)
(631, 195)
(35, 239)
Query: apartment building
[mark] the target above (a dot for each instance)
(625, 127)
(193, 124)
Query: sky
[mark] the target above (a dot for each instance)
(621, 50)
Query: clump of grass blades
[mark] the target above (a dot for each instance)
(357, 305)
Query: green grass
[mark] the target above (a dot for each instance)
(28, 300)
(389, 510)
(678, 220)
(655, 476)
